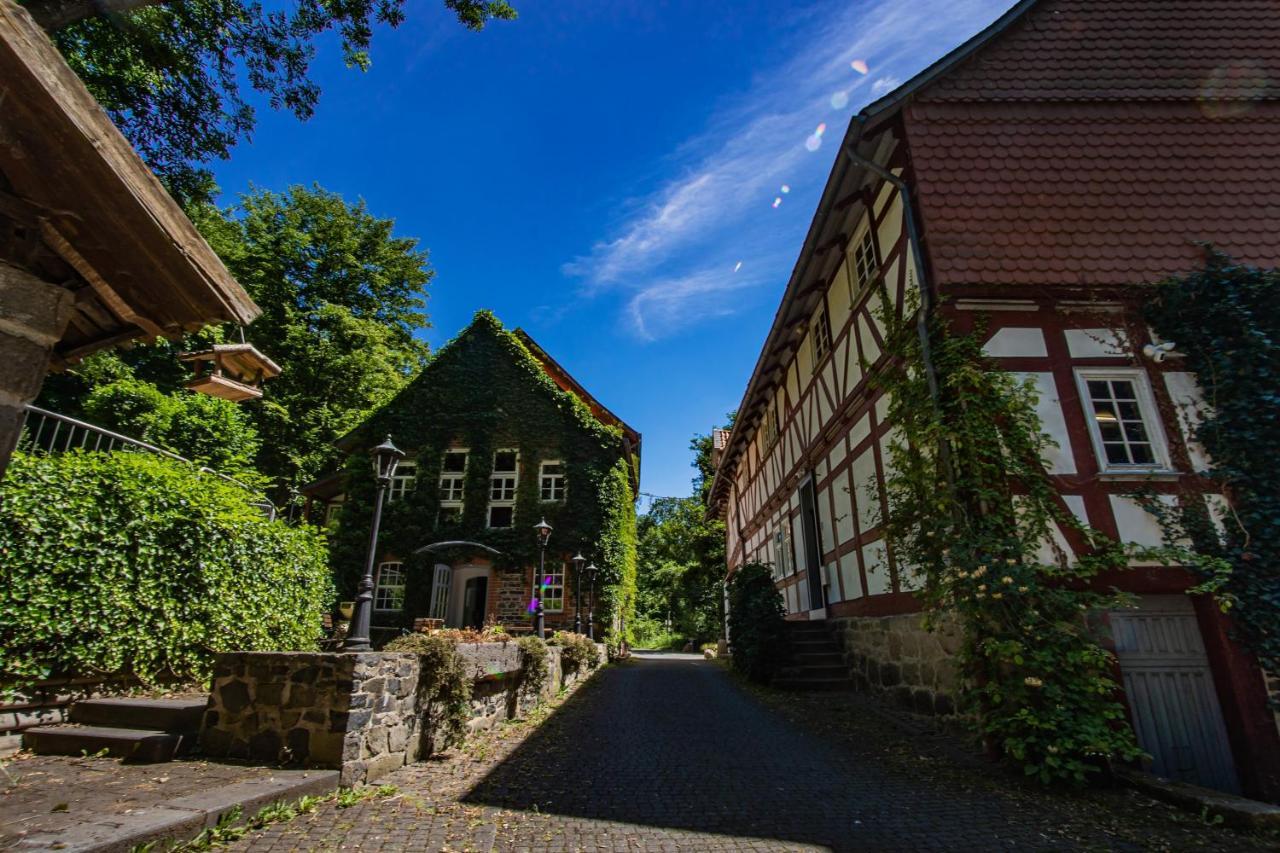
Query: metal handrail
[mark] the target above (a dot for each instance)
(92, 437)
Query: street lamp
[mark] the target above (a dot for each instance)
(385, 458)
(591, 601)
(578, 560)
(544, 533)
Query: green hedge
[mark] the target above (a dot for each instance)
(757, 623)
(121, 563)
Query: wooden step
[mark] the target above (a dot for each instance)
(163, 715)
(140, 745)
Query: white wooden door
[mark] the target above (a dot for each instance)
(1170, 690)
(440, 583)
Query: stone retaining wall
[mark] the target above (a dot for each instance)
(896, 657)
(360, 712)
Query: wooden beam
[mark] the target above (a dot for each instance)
(53, 237)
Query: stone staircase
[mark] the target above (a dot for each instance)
(139, 730)
(816, 659)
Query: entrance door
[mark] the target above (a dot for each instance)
(440, 583)
(1170, 690)
(474, 594)
(812, 542)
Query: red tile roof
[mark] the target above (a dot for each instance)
(1097, 141)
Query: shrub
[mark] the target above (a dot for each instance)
(756, 623)
(534, 670)
(577, 651)
(443, 683)
(127, 564)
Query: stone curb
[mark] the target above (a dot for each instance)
(1238, 812)
(185, 817)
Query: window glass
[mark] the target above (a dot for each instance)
(821, 335)
(402, 481)
(501, 516)
(505, 461)
(1121, 422)
(553, 589)
(864, 262)
(551, 487)
(454, 462)
(389, 592)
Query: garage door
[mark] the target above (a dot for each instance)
(1171, 694)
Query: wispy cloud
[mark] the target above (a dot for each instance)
(674, 251)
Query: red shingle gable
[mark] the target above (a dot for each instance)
(1078, 147)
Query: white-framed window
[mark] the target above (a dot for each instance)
(503, 480)
(1124, 422)
(402, 481)
(821, 333)
(551, 480)
(782, 551)
(864, 264)
(333, 510)
(553, 588)
(388, 594)
(453, 485)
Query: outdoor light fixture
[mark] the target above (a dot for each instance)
(578, 560)
(544, 533)
(591, 601)
(385, 458)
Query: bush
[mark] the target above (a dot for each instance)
(129, 564)
(577, 651)
(534, 670)
(443, 682)
(756, 625)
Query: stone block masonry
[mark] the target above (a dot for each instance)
(360, 712)
(896, 657)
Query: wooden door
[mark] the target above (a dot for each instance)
(1171, 694)
(812, 542)
(440, 583)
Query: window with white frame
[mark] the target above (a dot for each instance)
(503, 481)
(864, 263)
(1123, 420)
(333, 510)
(551, 480)
(553, 588)
(781, 551)
(388, 594)
(821, 334)
(402, 481)
(453, 484)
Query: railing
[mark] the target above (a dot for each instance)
(49, 432)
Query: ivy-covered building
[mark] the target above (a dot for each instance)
(498, 437)
(1029, 190)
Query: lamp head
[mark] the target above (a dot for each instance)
(543, 530)
(385, 458)
(578, 560)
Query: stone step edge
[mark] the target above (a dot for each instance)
(184, 818)
(1236, 811)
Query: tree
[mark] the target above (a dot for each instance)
(169, 73)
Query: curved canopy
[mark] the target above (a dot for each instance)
(443, 546)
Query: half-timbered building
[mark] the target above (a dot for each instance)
(1038, 177)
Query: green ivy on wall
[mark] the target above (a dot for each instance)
(1223, 318)
(485, 391)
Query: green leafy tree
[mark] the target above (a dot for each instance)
(170, 74)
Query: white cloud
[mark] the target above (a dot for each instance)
(671, 251)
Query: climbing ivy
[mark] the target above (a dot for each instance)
(1223, 319)
(971, 522)
(486, 391)
(443, 682)
(535, 668)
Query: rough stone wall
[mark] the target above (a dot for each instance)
(360, 712)
(896, 657)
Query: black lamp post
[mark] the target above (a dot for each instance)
(544, 533)
(591, 601)
(385, 458)
(578, 560)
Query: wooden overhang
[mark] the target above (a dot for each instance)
(79, 208)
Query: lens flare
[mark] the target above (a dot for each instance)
(859, 65)
(533, 605)
(839, 100)
(737, 266)
(813, 142)
(821, 129)
(786, 188)
(777, 202)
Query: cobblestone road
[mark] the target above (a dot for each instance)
(667, 754)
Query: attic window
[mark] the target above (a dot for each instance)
(821, 334)
(864, 263)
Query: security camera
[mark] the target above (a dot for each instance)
(1158, 352)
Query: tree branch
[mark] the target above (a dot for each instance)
(53, 15)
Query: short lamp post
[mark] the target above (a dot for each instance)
(544, 533)
(385, 458)
(591, 601)
(578, 560)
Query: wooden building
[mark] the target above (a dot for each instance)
(1039, 176)
(499, 437)
(93, 251)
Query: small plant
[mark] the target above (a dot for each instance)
(443, 683)
(577, 651)
(534, 670)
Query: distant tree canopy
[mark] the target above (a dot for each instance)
(170, 73)
(342, 298)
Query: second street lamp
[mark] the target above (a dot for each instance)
(544, 533)
(591, 601)
(578, 560)
(385, 458)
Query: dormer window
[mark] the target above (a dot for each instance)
(821, 332)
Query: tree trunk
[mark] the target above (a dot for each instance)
(53, 15)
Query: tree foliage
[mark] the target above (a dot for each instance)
(757, 623)
(170, 74)
(131, 564)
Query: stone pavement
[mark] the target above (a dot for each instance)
(670, 752)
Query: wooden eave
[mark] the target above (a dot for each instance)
(79, 208)
(243, 358)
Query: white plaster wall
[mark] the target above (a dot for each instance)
(844, 522)
(850, 577)
(1191, 407)
(864, 481)
(1135, 524)
(875, 558)
(1014, 342)
(1096, 343)
(1058, 460)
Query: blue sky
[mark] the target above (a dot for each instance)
(603, 173)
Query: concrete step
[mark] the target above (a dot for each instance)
(813, 671)
(819, 659)
(807, 684)
(805, 646)
(163, 715)
(141, 745)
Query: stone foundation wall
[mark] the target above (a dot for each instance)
(360, 712)
(896, 657)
